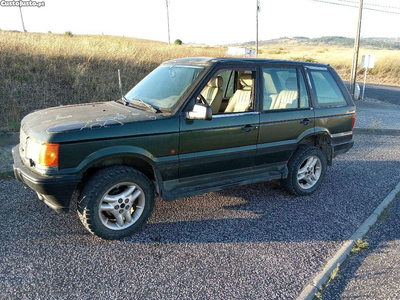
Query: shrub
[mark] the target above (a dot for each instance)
(178, 42)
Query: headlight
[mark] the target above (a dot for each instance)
(44, 154)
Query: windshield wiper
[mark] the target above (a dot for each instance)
(148, 105)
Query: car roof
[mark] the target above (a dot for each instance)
(213, 60)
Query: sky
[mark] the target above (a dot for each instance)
(211, 22)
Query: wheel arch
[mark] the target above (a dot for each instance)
(321, 139)
(134, 157)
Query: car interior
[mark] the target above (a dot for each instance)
(230, 91)
(281, 89)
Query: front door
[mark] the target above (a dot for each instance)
(226, 143)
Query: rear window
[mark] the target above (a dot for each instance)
(327, 91)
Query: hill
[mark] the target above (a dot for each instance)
(373, 43)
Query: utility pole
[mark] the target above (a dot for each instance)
(166, 2)
(22, 19)
(258, 9)
(355, 55)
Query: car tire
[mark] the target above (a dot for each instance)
(116, 202)
(307, 169)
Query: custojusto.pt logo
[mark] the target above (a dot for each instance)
(4, 3)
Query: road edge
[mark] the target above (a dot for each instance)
(340, 256)
(376, 131)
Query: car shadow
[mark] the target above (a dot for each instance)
(265, 212)
(254, 213)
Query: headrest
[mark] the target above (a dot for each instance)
(246, 80)
(291, 84)
(216, 82)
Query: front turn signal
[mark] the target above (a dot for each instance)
(48, 155)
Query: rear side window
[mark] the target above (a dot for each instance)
(284, 88)
(327, 91)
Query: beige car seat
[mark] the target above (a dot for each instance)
(241, 100)
(212, 93)
(286, 98)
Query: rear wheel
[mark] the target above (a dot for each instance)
(306, 170)
(116, 202)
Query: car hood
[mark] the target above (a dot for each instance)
(88, 121)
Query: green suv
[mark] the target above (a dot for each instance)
(193, 125)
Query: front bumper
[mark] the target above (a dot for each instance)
(55, 190)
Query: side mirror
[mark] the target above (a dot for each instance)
(200, 112)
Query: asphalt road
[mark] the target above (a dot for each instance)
(373, 273)
(253, 241)
(386, 93)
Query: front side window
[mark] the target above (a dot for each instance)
(230, 91)
(165, 85)
(327, 91)
(284, 88)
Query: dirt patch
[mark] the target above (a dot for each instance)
(6, 160)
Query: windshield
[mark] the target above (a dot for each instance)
(164, 86)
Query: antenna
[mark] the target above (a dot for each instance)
(120, 88)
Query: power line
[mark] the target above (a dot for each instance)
(371, 4)
(374, 9)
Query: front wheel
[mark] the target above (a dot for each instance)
(116, 202)
(307, 169)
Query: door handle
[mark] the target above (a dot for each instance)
(305, 121)
(249, 127)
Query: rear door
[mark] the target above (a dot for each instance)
(334, 109)
(286, 113)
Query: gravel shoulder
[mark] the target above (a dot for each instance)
(375, 115)
(253, 241)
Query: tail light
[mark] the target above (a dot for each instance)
(354, 121)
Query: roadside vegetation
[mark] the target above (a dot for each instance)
(332, 277)
(39, 70)
(359, 245)
(44, 70)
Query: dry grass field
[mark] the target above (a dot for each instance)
(43, 70)
(386, 70)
